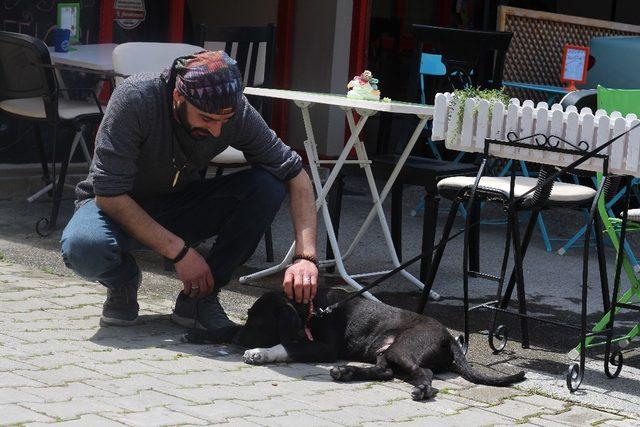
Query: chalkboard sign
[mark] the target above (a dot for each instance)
(36, 18)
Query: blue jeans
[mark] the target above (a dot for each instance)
(237, 208)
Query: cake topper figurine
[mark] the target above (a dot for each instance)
(364, 86)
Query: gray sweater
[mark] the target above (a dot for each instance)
(133, 148)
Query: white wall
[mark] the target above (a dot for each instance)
(320, 63)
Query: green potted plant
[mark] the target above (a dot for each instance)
(458, 100)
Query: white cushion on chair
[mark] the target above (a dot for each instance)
(633, 215)
(562, 192)
(230, 156)
(34, 108)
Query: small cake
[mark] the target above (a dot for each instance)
(364, 87)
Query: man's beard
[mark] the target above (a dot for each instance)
(196, 133)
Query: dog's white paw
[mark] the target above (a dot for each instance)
(256, 356)
(260, 356)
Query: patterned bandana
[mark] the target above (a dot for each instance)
(210, 81)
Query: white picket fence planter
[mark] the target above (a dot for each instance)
(479, 123)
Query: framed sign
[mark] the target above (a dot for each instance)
(575, 61)
(69, 17)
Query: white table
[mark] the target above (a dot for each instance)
(90, 57)
(365, 109)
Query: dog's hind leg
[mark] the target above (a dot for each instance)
(420, 378)
(379, 372)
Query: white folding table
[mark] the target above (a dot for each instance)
(92, 58)
(364, 109)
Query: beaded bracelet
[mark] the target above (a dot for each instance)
(309, 258)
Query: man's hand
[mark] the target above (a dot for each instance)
(301, 281)
(195, 274)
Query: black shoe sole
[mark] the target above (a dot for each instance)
(113, 321)
(187, 322)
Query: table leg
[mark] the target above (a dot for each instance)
(335, 204)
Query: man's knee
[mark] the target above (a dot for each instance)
(269, 189)
(89, 257)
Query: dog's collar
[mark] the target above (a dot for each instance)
(307, 322)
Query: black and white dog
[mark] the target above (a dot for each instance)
(398, 342)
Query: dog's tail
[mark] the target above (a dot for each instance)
(462, 367)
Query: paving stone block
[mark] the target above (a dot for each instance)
(70, 409)
(53, 361)
(48, 347)
(155, 417)
(49, 324)
(488, 394)
(142, 401)
(53, 334)
(217, 412)
(11, 379)
(85, 420)
(89, 311)
(14, 414)
(543, 402)
(32, 316)
(20, 294)
(7, 365)
(626, 422)
(293, 420)
(414, 422)
(208, 394)
(13, 395)
(120, 369)
(184, 362)
(473, 417)
(132, 385)
(86, 288)
(277, 406)
(311, 387)
(358, 413)
(519, 410)
(108, 355)
(26, 306)
(239, 422)
(60, 376)
(66, 392)
(580, 416)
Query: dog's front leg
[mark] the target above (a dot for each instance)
(261, 356)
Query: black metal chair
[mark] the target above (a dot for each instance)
(253, 48)
(29, 91)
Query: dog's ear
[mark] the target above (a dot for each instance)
(290, 325)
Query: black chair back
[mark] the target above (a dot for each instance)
(471, 58)
(253, 48)
(26, 71)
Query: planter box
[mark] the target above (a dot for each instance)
(584, 129)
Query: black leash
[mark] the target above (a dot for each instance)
(321, 312)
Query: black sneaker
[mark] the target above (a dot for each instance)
(121, 307)
(202, 313)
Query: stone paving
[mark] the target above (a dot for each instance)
(57, 365)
